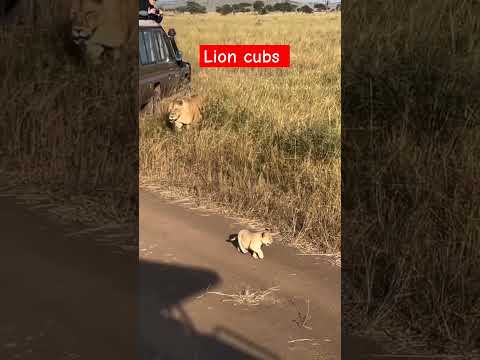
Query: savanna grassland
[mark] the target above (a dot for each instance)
(410, 174)
(269, 148)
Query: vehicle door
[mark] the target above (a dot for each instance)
(154, 67)
(169, 59)
(145, 88)
(176, 69)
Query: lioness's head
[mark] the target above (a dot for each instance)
(176, 109)
(86, 16)
(267, 237)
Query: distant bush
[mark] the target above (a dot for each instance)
(241, 7)
(234, 8)
(284, 7)
(305, 9)
(320, 7)
(259, 6)
(192, 7)
(269, 8)
(224, 9)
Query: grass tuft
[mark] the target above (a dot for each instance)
(411, 145)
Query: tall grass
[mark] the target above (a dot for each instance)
(410, 170)
(66, 127)
(270, 144)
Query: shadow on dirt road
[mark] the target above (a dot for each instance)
(166, 331)
(70, 298)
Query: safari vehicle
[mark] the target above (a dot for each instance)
(162, 69)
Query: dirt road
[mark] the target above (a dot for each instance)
(62, 297)
(65, 298)
(193, 280)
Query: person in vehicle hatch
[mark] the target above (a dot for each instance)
(154, 11)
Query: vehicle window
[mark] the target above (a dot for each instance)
(151, 47)
(163, 50)
(171, 52)
(143, 50)
(147, 55)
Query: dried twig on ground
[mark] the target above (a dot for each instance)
(247, 297)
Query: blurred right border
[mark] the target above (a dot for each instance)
(410, 177)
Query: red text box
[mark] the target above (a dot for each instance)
(244, 56)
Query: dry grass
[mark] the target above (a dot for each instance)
(270, 145)
(411, 190)
(69, 129)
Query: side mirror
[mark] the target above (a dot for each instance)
(178, 56)
(171, 32)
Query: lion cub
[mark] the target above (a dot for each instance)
(185, 111)
(248, 240)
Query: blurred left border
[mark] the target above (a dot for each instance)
(68, 179)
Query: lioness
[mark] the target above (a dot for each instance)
(185, 111)
(248, 240)
(100, 25)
